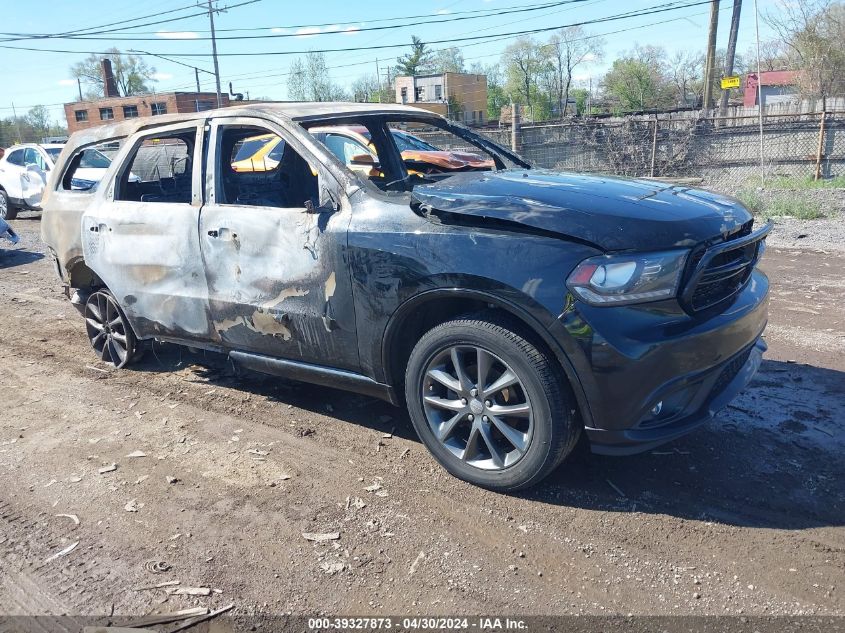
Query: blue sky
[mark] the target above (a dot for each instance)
(32, 78)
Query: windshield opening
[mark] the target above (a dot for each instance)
(396, 155)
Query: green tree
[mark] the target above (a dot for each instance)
(132, 74)
(448, 60)
(309, 80)
(39, 118)
(639, 80)
(524, 62)
(581, 96)
(417, 62)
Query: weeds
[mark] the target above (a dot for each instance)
(781, 204)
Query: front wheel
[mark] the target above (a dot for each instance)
(108, 330)
(488, 404)
(7, 212)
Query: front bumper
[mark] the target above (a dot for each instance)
(652, 373)
(714, 388)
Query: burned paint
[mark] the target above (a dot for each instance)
(268, 319)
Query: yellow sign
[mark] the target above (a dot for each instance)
(730, 82)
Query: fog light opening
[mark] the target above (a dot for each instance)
(657, 409)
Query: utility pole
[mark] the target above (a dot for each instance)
(378, 78)
(197, 75)
(214, 54)
(730, 55)
(79, 85)
(710, 64)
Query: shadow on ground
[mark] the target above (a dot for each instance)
(773, 459)
(11, 257)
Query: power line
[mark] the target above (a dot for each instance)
(370, 61)
(441, 20)
(631, 14)
(166, 21)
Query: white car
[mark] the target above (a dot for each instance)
(24, 170)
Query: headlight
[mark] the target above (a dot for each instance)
(628, 278)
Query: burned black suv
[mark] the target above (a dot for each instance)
(385, 250)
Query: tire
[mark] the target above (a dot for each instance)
(109, 332)
(506, 435)
(7, 212)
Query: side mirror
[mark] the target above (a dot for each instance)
(364, 160)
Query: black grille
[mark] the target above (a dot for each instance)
(725, 272)
(729, 372)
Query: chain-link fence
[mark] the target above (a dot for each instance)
(720, 153)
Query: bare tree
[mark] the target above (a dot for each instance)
(686, 69)
(131, 73)
(567, 49)
(310, 81)
(813, 32)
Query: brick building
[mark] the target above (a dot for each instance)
(85, 114)
(458, 96)
(113, 107)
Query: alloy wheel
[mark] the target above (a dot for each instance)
(4, 207)
(109, 333)
(477, 407)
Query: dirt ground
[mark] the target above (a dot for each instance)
(744, 516)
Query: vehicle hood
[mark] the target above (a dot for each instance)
(609, 212)
(448, 160)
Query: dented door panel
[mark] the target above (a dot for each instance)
(278, 278)
(148, 255)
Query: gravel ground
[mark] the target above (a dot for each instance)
(822, 234)
(178, 470)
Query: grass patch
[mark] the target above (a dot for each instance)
(784, 204)
(803, 184)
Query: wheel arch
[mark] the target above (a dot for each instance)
(422, 312)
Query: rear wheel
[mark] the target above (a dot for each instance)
(108, 330)
(7, 212)
(489, 404)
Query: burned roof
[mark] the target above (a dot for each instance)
(296, 111)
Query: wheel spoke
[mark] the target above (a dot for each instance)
(505, 380)
(94, 324)
(516, 438)
(512, 410)
(498, 461)
(460, 372)
(472, 444)
(105, 353)
(443, 403)
(95, 311)
(120, 338)
(116, 351)
(445, 379)
(116, 321)
(448, 427)
(97, 339)
(484, 361)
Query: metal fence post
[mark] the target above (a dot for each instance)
(820, 152)
(654, 146)
(516, 140)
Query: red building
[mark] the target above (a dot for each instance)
(778, 86)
